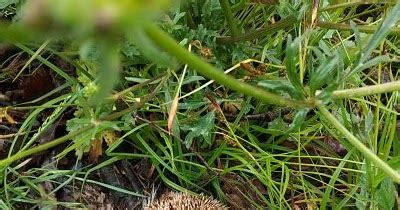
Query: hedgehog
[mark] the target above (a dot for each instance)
(183, 201)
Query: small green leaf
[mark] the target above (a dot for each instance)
(299, 119)
(326, 95)
(278, 86)
(82, 142)
(356, 35)
(292, 49)
(320, 55)
(386, 194)
(89, 51)
(373, 62)
(191, 79)
(201, 129)
(369, 122)
(324, 74)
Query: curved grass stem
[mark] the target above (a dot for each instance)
(347, 27)
(365, 151)
(42, 147)
(367, 90)
(165, 42)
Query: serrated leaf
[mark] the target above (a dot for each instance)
(202, 129)
(82, 142)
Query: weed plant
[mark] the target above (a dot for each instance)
(305, 115)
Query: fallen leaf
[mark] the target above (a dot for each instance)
(96, 150)
(172, 113)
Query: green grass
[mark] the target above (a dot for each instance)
(338, 77)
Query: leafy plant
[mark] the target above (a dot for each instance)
(305, 115)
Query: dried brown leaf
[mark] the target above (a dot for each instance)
(172, 113)
(96, 150)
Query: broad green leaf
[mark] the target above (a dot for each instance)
(191, 105)
(364, 195)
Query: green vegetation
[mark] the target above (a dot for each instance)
(306, 114)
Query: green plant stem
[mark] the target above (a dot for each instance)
(42, 147)
(368, 90)
(51, 144)
(165, 42)
(269, 29)
(370, 11)
(346, 27)
(351, 4)
(226, 8)
(367, 153)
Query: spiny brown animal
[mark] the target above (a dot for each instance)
(183, 201)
